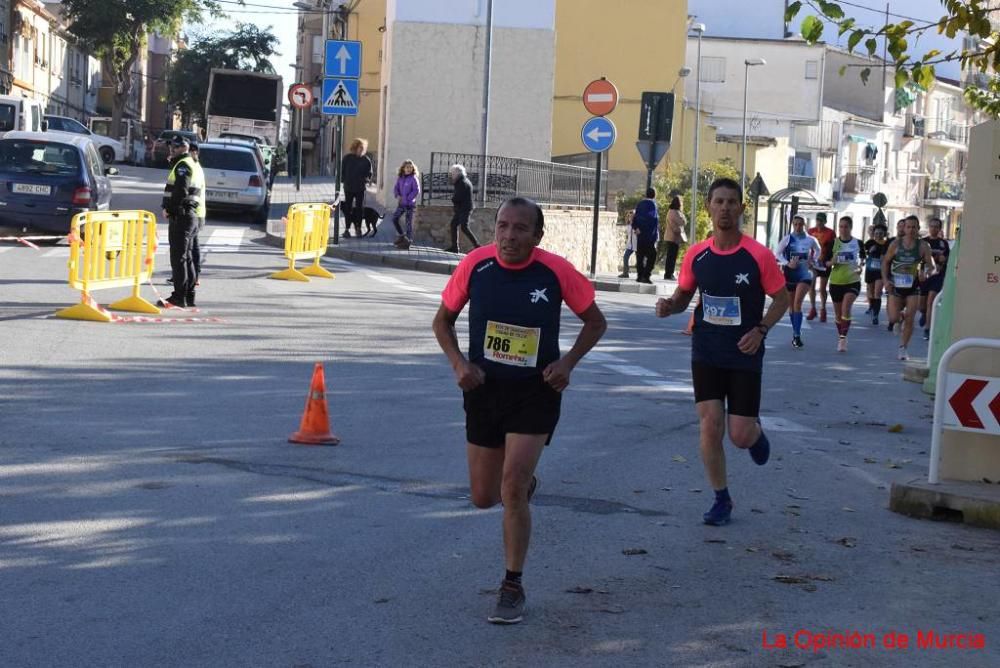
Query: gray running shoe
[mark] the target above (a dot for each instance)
(510, 605)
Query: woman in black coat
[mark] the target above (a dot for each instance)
(355, 174)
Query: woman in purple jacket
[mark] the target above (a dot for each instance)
(407, 191)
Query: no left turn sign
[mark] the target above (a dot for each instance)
(300, 95)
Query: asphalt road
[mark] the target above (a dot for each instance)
(152, 512)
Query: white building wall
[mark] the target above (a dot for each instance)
(433, 83)
(788, 88)
(530, 14)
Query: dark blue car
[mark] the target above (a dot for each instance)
(45, 181)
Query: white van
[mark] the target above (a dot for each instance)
(20, 113)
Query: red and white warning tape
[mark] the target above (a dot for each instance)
(27, 240)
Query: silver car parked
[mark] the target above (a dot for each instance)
(235, 179)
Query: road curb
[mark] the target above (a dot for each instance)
(973, 503)
(447, 268)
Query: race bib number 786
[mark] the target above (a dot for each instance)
(511, 345)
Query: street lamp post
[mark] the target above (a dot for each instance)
(698, 28)
(749, 62)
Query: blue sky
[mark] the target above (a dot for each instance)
(277, 14)
(764, 19)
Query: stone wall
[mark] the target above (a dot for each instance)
(567, 233)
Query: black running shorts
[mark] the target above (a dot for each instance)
(872, 276)
(933, 284)
(907, 292)
(838, 292)
(500, 407)
(737, 389)
(791, 286)
(820, 272)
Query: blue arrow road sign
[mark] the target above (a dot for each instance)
(343, 59)
(598, 134)
(340, 97)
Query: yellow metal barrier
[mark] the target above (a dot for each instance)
(307, 231)
(110, 249)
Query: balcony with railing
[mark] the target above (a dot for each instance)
(944, 191)
(802, 182)
(823, 137)
(947, 133)
(916, 126)
(860, 180)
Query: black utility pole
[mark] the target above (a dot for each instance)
(597, 216)
(339, 155)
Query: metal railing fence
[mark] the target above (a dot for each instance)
(547, 183)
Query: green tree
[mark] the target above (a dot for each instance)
(246, 48)
(116, 31)
(968, 16)
(677, 180)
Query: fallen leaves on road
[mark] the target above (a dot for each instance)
(632, 551)
(782, 555)
(967, 548)
(848, 509)
(847, 541)
(579, 590)
(679, 458)
(895, 429)
(869, 460)
(714, 540)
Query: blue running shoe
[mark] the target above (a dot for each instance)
(923, 319)
(760, 451)
(719, 513)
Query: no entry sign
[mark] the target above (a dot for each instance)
(600, 97)
(973, 404)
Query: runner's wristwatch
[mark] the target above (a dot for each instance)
(763, 329)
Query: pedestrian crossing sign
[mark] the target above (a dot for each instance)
(340, 97)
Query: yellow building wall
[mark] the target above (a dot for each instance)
(364, 25)
(638, 45)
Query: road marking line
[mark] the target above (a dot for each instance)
(670, 386)
(630, 370)
(598, 356)
(781, 424)
(56, 252)
(384, 279)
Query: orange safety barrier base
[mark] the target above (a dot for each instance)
(315, 426)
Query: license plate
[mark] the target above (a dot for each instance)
(221, 194)
(32, 189)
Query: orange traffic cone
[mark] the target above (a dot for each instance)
(315, 427)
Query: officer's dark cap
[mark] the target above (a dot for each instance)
(179, 141)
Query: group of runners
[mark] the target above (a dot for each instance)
(908, 269)
(514, 374)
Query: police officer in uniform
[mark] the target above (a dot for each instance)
(183, 205)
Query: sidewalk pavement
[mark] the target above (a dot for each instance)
(379, 250)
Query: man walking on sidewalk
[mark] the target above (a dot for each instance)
(646, 223)
(461, 199)
(514, 376)
(733, 273)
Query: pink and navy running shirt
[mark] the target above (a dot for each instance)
(514, 309)
(732, 286)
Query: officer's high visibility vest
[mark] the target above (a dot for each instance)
(196, 190)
